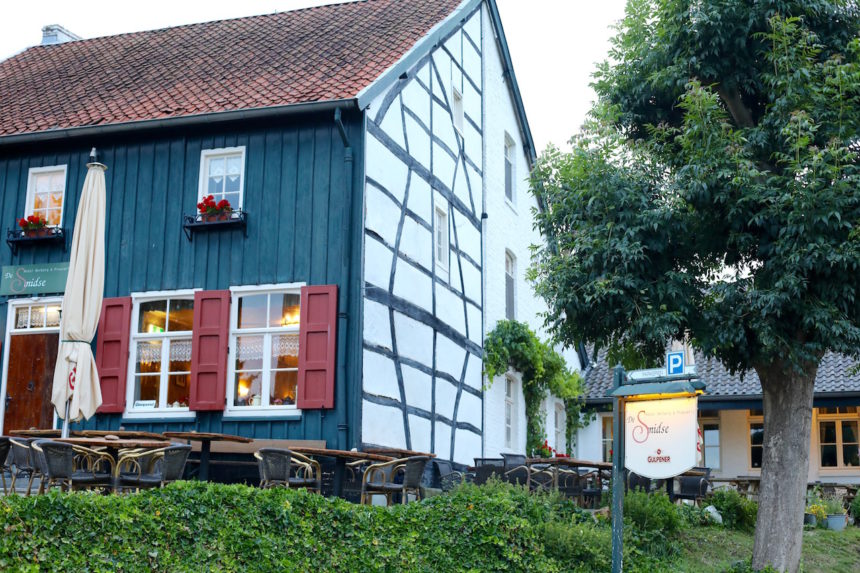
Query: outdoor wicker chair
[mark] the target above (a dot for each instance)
(23, 462)
(592, 490)
(286, 468)
(448, 477)
(151, 468)
(401, 476)
(4, 455)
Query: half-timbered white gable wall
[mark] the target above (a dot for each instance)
(423, 324)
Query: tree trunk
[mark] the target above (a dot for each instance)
(787, 400)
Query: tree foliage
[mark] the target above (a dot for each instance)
(714, 190)
(512, 344)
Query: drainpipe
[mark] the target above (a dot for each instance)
(343, 301)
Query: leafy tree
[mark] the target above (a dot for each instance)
(713, 194)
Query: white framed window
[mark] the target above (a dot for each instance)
(510, 286)
(457, 109)
(264, 349)
(838, 440)
(560, 427)
(46, 191)
(36, 316)
(222, 175)
(606, 437)
(509, 168)
(755, 423)
(441, 243)
(160, 353)
(709, 426)
(510, 411)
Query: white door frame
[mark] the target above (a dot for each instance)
(11, 305)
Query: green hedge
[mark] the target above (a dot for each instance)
(191, 526)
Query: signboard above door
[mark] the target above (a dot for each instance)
(45, 278)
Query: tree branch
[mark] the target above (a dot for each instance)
(740, 113)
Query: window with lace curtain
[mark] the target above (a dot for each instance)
(264, 350)
(160, 365)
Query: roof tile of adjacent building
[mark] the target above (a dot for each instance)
(313, 55)
(835, 374)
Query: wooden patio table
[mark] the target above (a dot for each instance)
(556, 463)
(398, 452)
(341, 457)
(114, 446)
(206, 439)
(125, 434)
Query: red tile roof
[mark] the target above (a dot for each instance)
(316, 54)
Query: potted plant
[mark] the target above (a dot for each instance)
(34, 226)
(815, 514)
(835, 511)
(214, 211)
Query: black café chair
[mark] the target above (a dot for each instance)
(485, 468)
(635, 482)
(143, 469)
(22, 462)
(401, 476)
(449, 478)
(5, 446)
(694, 488)
(286, 468)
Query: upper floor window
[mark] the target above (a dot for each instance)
(264, 346)
(441, 248)
(838, 439)
(510, 274)
(46, 189)
(509, 168)
(222, 175)
(37, 316)
(457, 109)
(160, 351)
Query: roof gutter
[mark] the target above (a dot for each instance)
(181, 121)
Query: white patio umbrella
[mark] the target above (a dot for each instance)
(76, 391)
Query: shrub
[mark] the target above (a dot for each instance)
(191, 526)
(694, 516)
(651, 512)
(584, 547)
(746, 567)
(737, 511)
(855, 510)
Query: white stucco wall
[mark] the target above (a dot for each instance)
(423, 324)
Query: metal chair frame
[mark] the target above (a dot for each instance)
(412, 470)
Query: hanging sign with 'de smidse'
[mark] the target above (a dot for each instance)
(45, 278)
(660, 436)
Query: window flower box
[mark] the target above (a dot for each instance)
(210, 222)
(33, 230)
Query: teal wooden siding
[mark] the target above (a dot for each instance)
(298, 220)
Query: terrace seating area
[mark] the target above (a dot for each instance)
(37, 461)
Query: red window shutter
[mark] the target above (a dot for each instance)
(209, 350)
(317, 344)
(112, 353)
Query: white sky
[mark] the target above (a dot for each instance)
(554, 43)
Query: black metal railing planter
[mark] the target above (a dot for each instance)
(200, 222)
(17, 238)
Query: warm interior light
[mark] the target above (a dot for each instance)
(154, 329)
(243, 389)
(291, 317)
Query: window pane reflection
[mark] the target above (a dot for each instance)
(252, 311)
(181, 315)
(152, 317)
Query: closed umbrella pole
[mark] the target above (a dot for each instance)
(76, 392)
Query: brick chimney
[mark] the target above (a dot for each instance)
(56, 34)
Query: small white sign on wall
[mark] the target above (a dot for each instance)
(660, 437)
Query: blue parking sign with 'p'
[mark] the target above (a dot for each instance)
(675, 363)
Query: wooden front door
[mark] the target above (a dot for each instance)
(28, 384)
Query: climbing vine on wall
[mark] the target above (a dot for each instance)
(513, 345)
